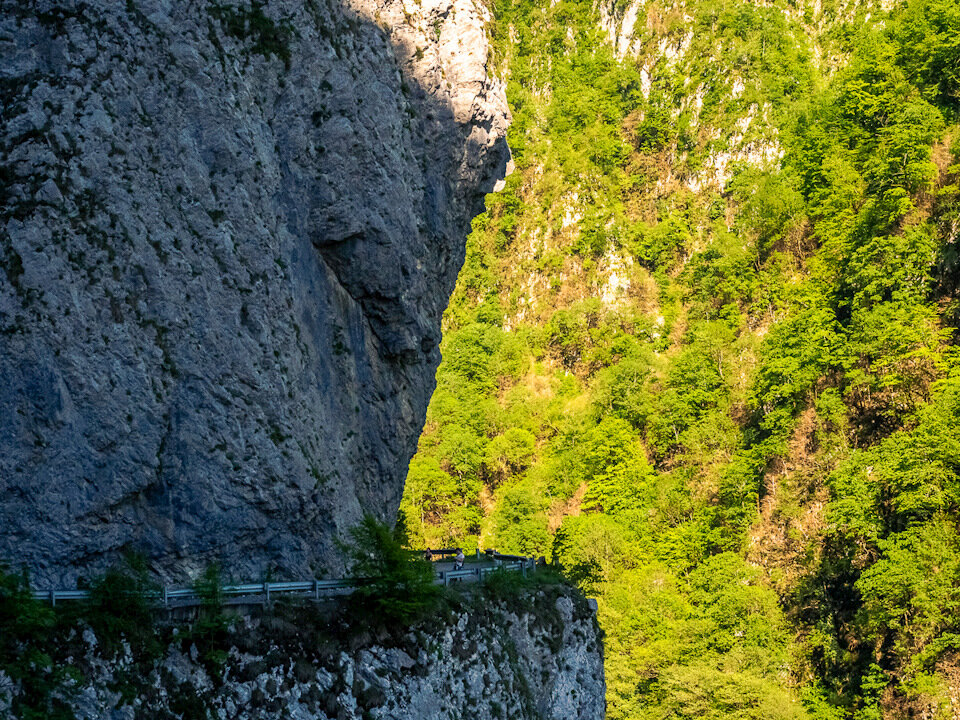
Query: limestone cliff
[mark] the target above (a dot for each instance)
(527, 658)
(228, 233)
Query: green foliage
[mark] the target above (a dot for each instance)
(658, 246)
(429, 496)
(119, 608)
(519, 522)
(775, 384)
(738, 614)
(509, 454)
(913, 590)
(704, 692)
(619, 478)
(770, 205)
(209, 632)
(711, 646)
(591, 548)
(25, 628)
(928, 49)
(269, 38)
(395, 584)
(796, 354)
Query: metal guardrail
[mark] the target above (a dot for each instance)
(187, 597)
(482, 572)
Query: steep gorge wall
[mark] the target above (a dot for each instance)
(228, 233)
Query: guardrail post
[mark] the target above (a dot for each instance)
(165, 599)
(316, 589)
(266, 591)
(478, 553)
(53, 598)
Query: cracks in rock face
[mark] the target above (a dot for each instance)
(162, 171)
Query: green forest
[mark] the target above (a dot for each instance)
(702, 353)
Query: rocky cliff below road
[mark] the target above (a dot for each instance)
(228, 233)
(536, 657)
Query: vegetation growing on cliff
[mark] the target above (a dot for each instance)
(701, 351)
(118, 649)
(393, 585)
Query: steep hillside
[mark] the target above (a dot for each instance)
(702, 350)
(228, 233)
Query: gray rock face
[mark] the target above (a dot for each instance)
(228, 233)
(520, 663)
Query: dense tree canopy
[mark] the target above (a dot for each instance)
(701, 352)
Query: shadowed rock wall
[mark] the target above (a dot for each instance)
(228, 233)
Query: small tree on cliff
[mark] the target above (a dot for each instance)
(391, 580)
